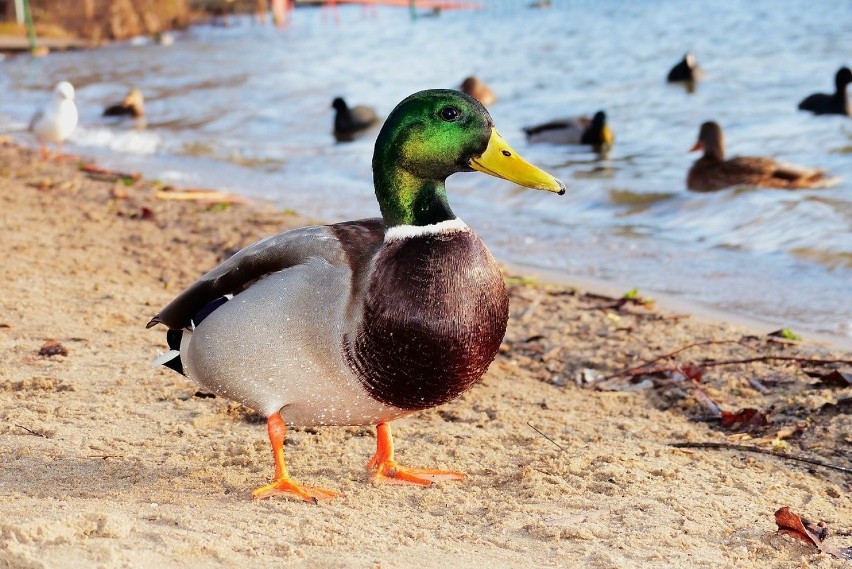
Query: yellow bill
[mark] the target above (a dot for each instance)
(500, 160)
(608, 138)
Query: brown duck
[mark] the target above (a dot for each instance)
(477, 89)
(712, 172)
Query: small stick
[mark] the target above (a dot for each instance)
(779, 358)
(817, 361)
(30, 431)
(548, 438)
(758, 450)
(629, 371)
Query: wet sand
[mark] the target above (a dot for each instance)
(108, 462)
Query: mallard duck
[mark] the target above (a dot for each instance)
(687, 70)
(55, 121)
(579, 130)
(712, 172)
(835, 104)
(349, 122)
(132, 105)
(478, 90)
(361, 322)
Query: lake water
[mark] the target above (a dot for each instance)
(247, 108)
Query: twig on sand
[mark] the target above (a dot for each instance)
(671, 369)
(557, 445)
(797, 359)
(200, 195)
(32, 432)
(758, 450)
(640, 367)
(106, 174)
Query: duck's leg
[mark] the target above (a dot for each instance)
(282, 483)
(387, 470)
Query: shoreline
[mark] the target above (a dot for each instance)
(674, 303)
(109, 462)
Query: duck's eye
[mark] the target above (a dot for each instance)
(450, 113)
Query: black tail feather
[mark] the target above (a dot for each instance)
(174, 337)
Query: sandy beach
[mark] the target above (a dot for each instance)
(108, 462)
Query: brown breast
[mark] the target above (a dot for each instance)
(435, 315)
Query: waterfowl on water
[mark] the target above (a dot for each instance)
(687, 70)
(361, 322)
(834, 104)
(132, 105)
(478, 90)
(580, 130)
(55, 121)
(349, 122)
(712, 172)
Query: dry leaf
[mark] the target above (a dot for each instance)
(744, 420)
(816, 534)
(52, 348)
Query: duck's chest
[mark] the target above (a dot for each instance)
(434, 316)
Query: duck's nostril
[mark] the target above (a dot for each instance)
(506, 153)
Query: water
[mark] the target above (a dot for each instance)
(247, 109)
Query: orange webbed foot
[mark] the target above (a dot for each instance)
(282, 484)
(389, 472)
(386, 470)
(287, 487)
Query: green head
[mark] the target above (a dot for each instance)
(431, 135)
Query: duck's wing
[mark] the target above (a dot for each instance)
(680, 72)
(818, 103)
(746, 170)
(559, 131)
(353, 243)
(117, 110)
(707, 175)
(556, 124)
(790, 175)
(37, 116)
(766, 172)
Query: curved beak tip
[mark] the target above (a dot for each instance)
(561, 191)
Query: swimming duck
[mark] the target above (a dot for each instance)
(687, 70)
(478, 90)
(361, 322)
(349, 122)
(835, 104)
(712, 172)
(132, 105)
(579, 130)
(55, 121)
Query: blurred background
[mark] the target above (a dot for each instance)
(235, 102)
